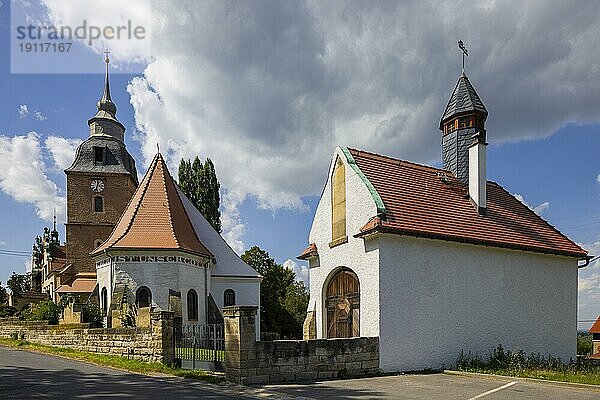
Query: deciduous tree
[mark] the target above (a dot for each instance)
(283, 301)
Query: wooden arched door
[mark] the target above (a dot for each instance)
(342, 303)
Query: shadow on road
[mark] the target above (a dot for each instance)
(27, 383)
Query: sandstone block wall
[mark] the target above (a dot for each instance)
(154, 343)
(250, 362)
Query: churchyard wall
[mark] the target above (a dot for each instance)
(252, 362)
(154, 343)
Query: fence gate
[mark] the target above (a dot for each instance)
(200, 346)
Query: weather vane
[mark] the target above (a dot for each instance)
(462, 47)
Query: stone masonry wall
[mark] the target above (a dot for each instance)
(148, 344)
(250, 362)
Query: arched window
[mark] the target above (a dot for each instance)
(229, 298)
(192, 305)
(98, 204)
(338, 204)
(104, 301)
(143, 297)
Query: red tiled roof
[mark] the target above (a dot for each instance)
(310, 251)
(58, 252)
(424, 201)
(596, 327)
(155, 217)
(79, 285)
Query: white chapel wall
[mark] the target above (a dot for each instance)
(159, 278)
(247, 293)
(439, 297)
(354, 255)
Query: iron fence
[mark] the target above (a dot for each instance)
(200, 346)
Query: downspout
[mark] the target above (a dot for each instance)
(205, 293)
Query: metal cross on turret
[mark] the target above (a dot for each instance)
(462, 47)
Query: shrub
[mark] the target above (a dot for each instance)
(92, 314)
(7, 311)
(584, 343)
(43, 311)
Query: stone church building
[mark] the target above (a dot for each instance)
(164, 254)
(145, 244)
(100, 183)
(438, 261)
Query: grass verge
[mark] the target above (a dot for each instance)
(113, 361)
(520, 365)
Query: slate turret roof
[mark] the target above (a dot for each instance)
(117, 159)
(464, 100)
(155, 218)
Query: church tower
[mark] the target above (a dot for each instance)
(100, 183)
(463, 122)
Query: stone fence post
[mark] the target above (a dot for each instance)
(240, 336)
(162, 335)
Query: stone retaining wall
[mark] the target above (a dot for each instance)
(154, 343)
(251, 362)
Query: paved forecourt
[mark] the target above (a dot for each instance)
(437, 386)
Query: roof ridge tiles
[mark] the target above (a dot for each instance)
(136, 208)
(170, 214)
(398, 161)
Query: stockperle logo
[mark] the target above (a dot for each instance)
(42, 42)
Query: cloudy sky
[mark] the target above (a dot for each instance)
(267, 89)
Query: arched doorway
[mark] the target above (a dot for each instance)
(342, 305)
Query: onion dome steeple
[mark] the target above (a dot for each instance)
(105, 121)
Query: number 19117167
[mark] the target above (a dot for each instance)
(35, 47)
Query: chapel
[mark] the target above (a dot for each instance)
(435, 261)
(164, 255)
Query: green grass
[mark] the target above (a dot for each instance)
(113, 361)
(588, 378)
(518, 364)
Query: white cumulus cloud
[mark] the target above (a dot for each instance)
(268, 89)
(301, 271)
(39, 116)
(23, 176)
(62, 150)
(231, 221)
(539, 209)
(23, 111)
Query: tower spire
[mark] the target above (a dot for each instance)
(106, 95)
(54, 233)
(105, 121)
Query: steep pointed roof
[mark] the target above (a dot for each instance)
(464, 99)
(155, 217)
(107, 110)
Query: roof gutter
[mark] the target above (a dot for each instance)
(386, 229)
(586, 261)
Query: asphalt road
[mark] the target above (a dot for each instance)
(436, 386)
(27, 375)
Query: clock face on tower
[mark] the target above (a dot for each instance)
(97, 185)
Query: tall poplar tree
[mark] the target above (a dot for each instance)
(199, 183)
